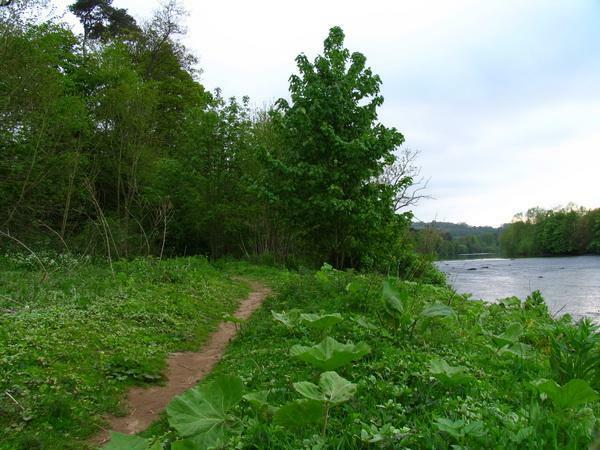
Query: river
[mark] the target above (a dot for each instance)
(569, 285)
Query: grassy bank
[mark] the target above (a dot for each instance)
(428, 369)
(394, 364)
(71, 345)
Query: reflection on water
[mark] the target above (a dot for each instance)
(569, 285)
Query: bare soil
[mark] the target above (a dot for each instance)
(184, 370)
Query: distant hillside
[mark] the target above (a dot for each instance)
(456, 229)
(450, 240)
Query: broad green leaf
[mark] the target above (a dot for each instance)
(519, 349)
(475, 429)
(361, 321)
(309, 390)
(353, 287)
(447, 374)
(437, 310)
(335, 388)
(323, 274)
(332, 388)
(330, 354)
(120, 441)
(257, 399)
(320, 321)
(394, 298)
(299, 413)
(289, 319)
(201, 412)
(204, 441)
(453, 427)
(510, 335)
(574, 393)
(185, 444)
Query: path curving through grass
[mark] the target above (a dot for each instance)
(184, 370)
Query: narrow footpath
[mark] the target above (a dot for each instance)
(184, 370)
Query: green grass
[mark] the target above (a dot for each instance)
(400, 402)
(71, 345)
(443, 372)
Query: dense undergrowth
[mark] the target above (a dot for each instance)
(334, 360)
(71, 344)
(423, 368)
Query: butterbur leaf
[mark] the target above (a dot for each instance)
(362, 322)
(257, 399)
(332, 388)
(575, 393)
(289, 319)
(204, 441)
(459, 428)
(330, 354)
(336, 389)
(519, 349)
(299, 413)
(201, 412)
(394, 298)
(309, 390)
(510, 335)
(185, 444)
(453, 427)
(447, 374)
(320, 321)
(437, 310)
(120, 441)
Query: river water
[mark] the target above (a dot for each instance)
(569, 285)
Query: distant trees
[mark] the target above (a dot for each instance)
(566, 231)
(449, 240)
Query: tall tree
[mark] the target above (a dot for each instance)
(324, 176)
(101, 20)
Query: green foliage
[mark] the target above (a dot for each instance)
(437, 310)
(449, 240)
(575, 352)
(566, 231)
(201, 414)
(71, 346)
(120, 441)
(574, 393)
(332, 389)
(321, 177)
(320, 321)
(330, 354)
(396, 404)
(449, 375)
(290, 319)
(299, 413)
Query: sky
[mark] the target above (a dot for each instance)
(500, 97)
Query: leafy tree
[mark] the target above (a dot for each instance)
(101, 20)
(324, 175)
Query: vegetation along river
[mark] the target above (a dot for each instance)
(569, 285)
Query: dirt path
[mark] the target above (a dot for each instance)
(184, 370)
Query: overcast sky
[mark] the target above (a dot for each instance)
(501, 97)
